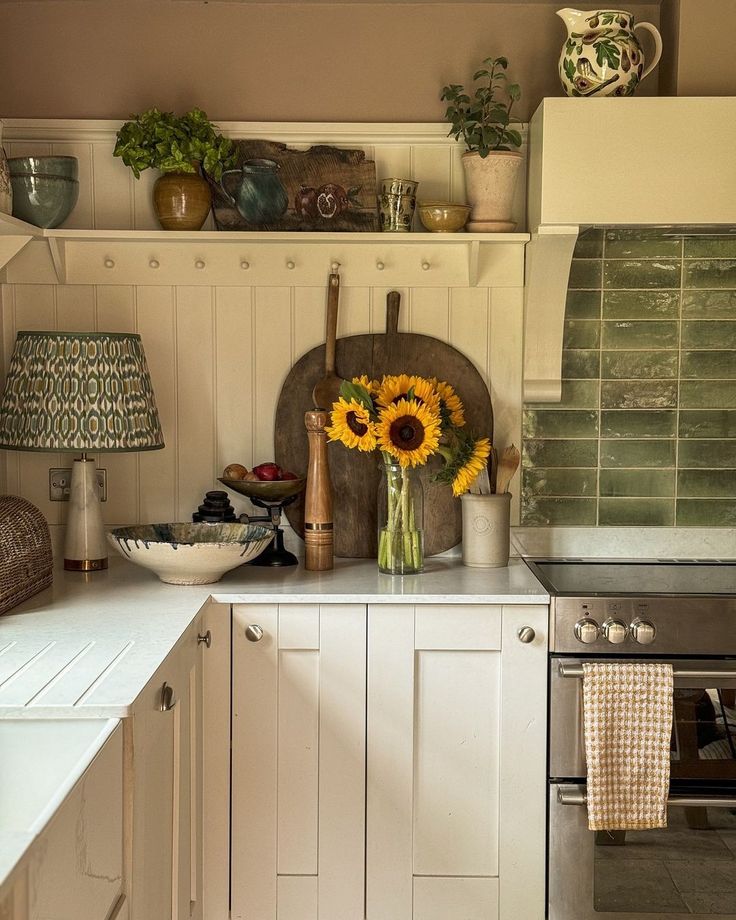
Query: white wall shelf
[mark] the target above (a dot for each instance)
(158, 257)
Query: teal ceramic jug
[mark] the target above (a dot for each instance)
(259, 196)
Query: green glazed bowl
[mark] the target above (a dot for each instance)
(44, 201)
(63, 167)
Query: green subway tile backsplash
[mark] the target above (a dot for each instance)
(645, 434)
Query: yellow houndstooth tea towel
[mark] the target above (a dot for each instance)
(627, 715)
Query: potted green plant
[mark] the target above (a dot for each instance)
(491, 163)
(180, 147)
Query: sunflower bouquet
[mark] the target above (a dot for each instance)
(409, 419)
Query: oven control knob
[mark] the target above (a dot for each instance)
(615, 631)
(586, 630)
(643, 632)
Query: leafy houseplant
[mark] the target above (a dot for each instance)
(483, 122)
(178, 146)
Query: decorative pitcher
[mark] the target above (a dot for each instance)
(602, 55)
(260, 196)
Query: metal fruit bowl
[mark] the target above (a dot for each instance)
(190, 554)
(278, 490)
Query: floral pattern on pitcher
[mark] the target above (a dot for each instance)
(602, 55)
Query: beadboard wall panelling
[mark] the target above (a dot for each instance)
(645, 434)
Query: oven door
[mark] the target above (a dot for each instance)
(686, 870)
(704, 729)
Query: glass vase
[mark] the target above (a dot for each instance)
(400, 521)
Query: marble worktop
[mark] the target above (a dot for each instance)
(89, 644)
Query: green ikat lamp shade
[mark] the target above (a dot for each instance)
(78, 391)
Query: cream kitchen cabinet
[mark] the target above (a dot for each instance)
(164, 852)
(388, 762)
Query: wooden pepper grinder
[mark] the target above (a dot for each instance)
(318, 537)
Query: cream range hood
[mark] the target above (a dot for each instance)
(615, 162)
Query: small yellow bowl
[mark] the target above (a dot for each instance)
(442, 216)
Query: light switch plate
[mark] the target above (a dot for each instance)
(60, 484)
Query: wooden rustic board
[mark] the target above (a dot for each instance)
(354, 476)
(314, 180)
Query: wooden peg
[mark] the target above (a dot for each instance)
(318, 535)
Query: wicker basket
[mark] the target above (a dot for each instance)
(25, 551)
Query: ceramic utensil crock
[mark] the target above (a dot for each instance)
(486, 530)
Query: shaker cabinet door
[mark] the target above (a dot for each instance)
(445, 710)
(298, 753)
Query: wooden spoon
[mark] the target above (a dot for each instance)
(327, 390)
(508, 463)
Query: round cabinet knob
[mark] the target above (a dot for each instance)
(335, 266)
(206, 638)
(425, 266)
(526, 634)
(154, 263)
(199, 264)
(290, 264)
(615, 631)
(586, 630)
(254, 633)
(643, 632)
(380, 266)
(109, 263)
(245, 265)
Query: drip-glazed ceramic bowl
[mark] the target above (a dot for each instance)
(45, 189)
(442, 216)
(190, 554)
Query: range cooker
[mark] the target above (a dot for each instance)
(682, 612)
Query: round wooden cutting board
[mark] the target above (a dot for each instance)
(354, 476)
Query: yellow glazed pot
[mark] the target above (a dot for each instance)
(181, 200)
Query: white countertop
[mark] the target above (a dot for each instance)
(90, 643)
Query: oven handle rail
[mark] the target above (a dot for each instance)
(578, 795)
(576, 670)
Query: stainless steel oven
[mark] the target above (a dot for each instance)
(689, 868)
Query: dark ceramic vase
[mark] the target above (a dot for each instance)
(181, 200)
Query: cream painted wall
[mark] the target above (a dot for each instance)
(700, 35)
(256, 61)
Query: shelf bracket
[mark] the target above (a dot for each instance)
(548, 261)
(473, 260)
(57, 248)
(10, 246)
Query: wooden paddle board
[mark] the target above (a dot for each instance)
(354, 475)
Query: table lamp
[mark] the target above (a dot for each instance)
(80, 391)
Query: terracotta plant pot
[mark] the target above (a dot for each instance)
(490, 184)
(181, 200)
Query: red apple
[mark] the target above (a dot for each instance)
(288, 475)
(267, 472)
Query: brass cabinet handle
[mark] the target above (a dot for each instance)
(526, 634)
(254, 633)
(168, 701)
(206, 638)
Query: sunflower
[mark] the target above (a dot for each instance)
(365, 381)
(393, 389)
(351, 424)
(408, 431)
(470, 460)
(451, 408)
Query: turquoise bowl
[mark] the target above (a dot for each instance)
(64, 167)
(44, 201)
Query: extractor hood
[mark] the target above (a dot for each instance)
(615, 162)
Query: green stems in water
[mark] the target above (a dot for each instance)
(400, 538)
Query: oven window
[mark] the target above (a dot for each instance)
(687, 868)
(704, 736)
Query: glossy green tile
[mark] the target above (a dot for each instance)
(635, 273)
(569, 511)
(589, 244)
(639, 394)
(708, 364)
(580, 364)
(637, 483)
(641, 304)
(636, 512)
(709, 304)
(627, 333)
(581, 334)
(705, 512)
(576, 394)
(641, 244)
(638, 454)
(706, 484)
(638, 423)
(558, 481)
(710, 273)
(583, 305)
(644, 365)
(707, 394)
(707, 423)
(543, 453)
(559, 423)
(709, 334)
(710, 247)
(707, 455)
(585, 273)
